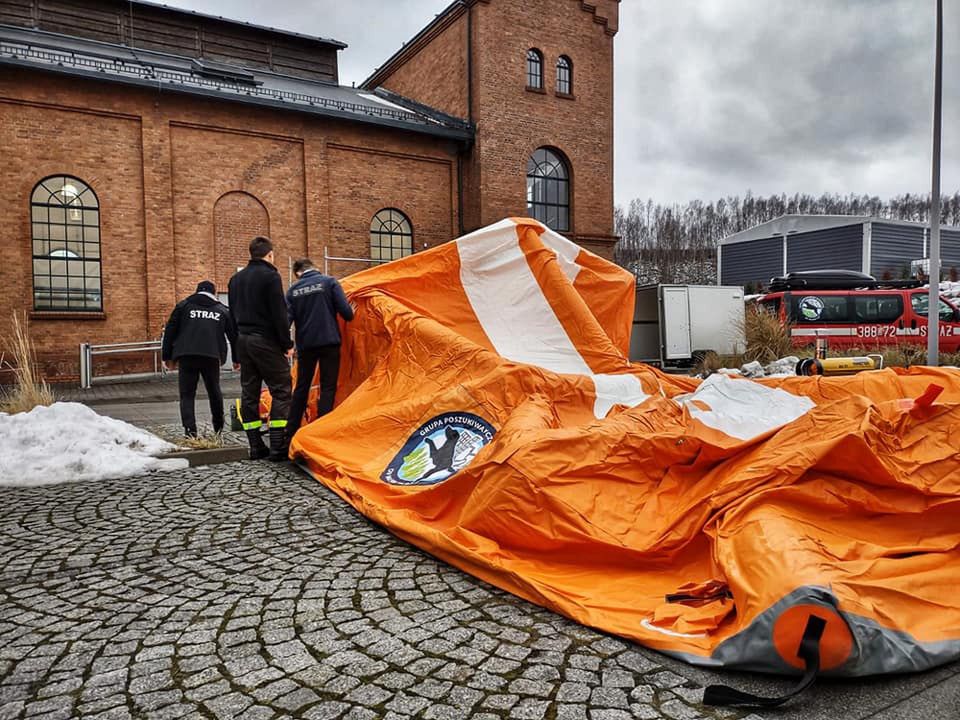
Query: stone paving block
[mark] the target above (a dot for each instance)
(369, 695)
(405, 704)
(530, 709)
(610, 714)
(296, 700)
(676, 710)
(501, 702)
(432, 689)
(609, 697)
(573, 692)
(538, 688)
(358, 713)
(257, 712)
(325, 711)
(228, 705)
(572, 712)
(443, 712)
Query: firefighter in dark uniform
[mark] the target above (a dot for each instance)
(314, 301)
(263, 347)
(196, 338)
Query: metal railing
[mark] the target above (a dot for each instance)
(327, 258)
(88, 352)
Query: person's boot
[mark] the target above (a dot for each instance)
(278, 444)
(258, 449)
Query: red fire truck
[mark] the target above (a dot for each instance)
(855, 310)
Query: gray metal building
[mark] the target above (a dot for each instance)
(791, 243)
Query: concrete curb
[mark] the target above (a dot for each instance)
(213, 456)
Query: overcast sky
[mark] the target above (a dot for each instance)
(717, 97)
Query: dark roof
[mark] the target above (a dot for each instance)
(289, 33)
(63, 54)
(790, 224)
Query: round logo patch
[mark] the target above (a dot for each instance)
(811, 308)
(439, 448)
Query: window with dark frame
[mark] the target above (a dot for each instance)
(548, 189)
(391, 236)
(534, 69)
(564, 75)
(65, 222)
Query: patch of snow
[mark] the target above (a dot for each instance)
(782, 367)
(69, 442)
(752, 369)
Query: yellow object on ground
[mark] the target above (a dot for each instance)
(487, 413)
(839, 365)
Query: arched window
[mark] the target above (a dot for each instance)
(391, 236)
(65, 219)
(534, 69)
(564, 75)
(548, 189)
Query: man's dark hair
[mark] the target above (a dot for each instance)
(260, 247)
(301, 265)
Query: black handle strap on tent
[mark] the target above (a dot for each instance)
(691, 597)
(809, 652)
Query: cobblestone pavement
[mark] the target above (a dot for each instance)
(250, 591)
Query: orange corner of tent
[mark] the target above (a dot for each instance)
(529, 222)
(835, 643)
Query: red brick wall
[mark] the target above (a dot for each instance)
(161, 163)
(104, 152)
(237, 217)
(513, 122)
(423, 188)
(209, 162)
(436, 75)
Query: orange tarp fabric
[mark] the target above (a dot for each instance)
(487, 413)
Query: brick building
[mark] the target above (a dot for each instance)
(145, 145)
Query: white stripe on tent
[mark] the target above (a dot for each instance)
(519, 320)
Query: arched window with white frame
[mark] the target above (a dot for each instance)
(548, 189)
(534, 69)
(65, 235)
(564, 75)
(391, 236)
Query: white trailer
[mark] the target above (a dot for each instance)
(675, 325)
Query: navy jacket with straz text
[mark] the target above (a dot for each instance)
(314, 301)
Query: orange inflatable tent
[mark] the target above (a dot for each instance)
(487, 413)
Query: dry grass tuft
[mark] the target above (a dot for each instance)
(29, 389)
(768, 339)
(202, 442)
(904, 356)
(712, 362)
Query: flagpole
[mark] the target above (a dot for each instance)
(933, 308)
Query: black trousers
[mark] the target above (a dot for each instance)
(328, 357)
(192, 368)
(262, 361)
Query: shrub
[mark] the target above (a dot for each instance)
(768, 339)
(29, 389)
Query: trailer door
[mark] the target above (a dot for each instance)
(675, 328)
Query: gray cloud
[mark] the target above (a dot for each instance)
(715, 97)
